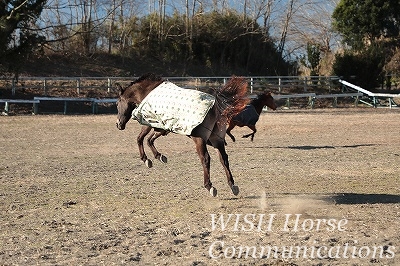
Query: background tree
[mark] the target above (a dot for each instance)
(18, 35)
(371, 30)
(312, 24)
(261, 37)
(364, 69)
(312, 59)
(365, 22)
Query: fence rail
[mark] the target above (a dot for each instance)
(77, 94)
(107, 84)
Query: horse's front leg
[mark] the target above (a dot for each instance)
(252, 127)
(201, 148)
(150, 141)
(223, 156)
(145, 130)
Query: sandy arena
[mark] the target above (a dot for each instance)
(317, 187)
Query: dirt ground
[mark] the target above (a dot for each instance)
(317, 187)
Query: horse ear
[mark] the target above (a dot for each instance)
(120, 89)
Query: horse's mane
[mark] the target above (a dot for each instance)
(255, 101)
(232, 98)
(147, 76)
(258, 100)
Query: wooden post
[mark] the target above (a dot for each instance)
(329, 85)
(35, 108)
(108, 85)
(78, 86)
(6, 108)
(45, 87)
(279, 84)
(334, 102)
(13, 87)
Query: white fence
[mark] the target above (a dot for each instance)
(100, 91)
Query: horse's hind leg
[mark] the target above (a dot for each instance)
(228, 131)
(201, 148)
(252, 127)
(223, 156)
(145, 130)
(150, 141)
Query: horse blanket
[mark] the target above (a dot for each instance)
(173, 108)
(248, 116)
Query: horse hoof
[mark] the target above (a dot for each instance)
(148, 163)
(235, 190)
(163, 159)
(213, 191)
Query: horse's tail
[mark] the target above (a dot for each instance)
(232, 98)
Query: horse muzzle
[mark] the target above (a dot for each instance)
(120, 126)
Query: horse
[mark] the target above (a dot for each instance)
(230, 100)
(250, 115)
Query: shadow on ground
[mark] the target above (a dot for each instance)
(355, 198)
(338, 198)
(309, 147)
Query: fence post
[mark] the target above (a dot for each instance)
(251, 85)
(78, 86)
(45, 86)
(6, 108)
(279, 84)
(288, 103)
(356, 101)
(108, 85)
(329, 81)
(13, 87)
(334, 102)
(35, 108)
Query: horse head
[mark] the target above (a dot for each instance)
(268, 100)
(125, 106)
(132, 96)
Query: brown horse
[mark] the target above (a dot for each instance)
(250, 115)
(229, 101)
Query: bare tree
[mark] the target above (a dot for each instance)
(312, 24)
(285, 28)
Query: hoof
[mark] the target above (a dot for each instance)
(163, 159)
(148, 163)
(235, 190)
(213, 191)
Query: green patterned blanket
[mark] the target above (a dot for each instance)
(173, 108)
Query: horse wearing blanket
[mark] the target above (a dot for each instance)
(205, 124)
(173, 108)
(250, 115)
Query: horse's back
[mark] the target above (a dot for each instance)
(248, 116)
(173, 108)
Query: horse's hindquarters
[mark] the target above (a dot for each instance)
(213, 127)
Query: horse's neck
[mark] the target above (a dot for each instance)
(144, 89)
(257, 105)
